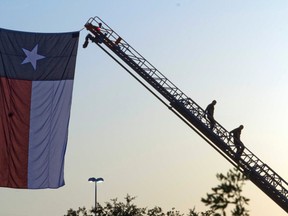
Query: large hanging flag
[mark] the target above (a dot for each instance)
(36, 82)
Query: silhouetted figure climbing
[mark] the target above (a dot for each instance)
(236, 138)
(209, 111)
(96, 30)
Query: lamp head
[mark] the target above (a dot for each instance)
(93, 179)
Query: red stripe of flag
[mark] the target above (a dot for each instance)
(14, 131)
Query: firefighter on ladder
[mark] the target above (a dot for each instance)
(236, 139)
(96, 30)
(209, 111)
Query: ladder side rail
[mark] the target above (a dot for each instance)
(264, 170)
(260, 180)
(157, 75)
(126, 48)
(172, 89)
(269, 191)
(251, 163)
(173, 92)
(263, 185)
(149, 73)
(137, 57)
(160, 78)
(179, 95)
(143, 74)
(275, 179)
(167, 84)
(254, 164)
(198, 123)
(113, 36)
(268, 184)
(133, 54)
(267, 174)
(218, 129)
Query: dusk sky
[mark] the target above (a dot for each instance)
(235, 52)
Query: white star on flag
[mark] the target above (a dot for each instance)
(32, 56)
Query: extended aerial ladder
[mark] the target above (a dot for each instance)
(186, 109)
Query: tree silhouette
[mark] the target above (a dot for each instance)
(116, 208)
(228, 193)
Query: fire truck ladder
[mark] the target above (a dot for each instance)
(189, 111)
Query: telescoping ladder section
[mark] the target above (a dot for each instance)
(257, 171)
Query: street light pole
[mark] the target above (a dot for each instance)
(95, 180)
(95, 197)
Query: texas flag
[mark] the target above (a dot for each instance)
(36, 82)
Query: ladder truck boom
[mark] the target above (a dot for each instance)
(189, 111)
